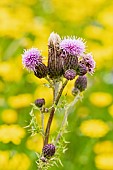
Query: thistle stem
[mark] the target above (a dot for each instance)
(64, 122)
(42, 122)
(60, 92)
(52, 113)
(49, 125)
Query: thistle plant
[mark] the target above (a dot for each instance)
(67, 60)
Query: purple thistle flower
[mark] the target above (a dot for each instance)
(30, 58)
(40, 102)
(73, 46)
(70, 74)
(89, 62)
(48, 150)
(81, 83)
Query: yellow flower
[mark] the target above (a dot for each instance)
(11, 133)
(14, 161)
(10, 72)
(104, 161)
(9, 116)
(94, 128)
(4, 157)
(101, 99)
(19, 162)
(35, 143)
(103, 147)
(19, 101)
(110, 110)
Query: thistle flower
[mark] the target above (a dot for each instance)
(40, 70)
(48, 150)
(70, 74)
(81, 69)
(30, 58)
(81, 83)
(70, 62)
(40, 102)
(55, 67)
(89, 62)
(72, 46)
(54, 39)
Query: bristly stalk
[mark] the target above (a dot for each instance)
(53, 112)
(64, 122)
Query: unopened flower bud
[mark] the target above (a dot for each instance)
(55, 65)
(70, 62)
(54, 39)
(48, 150)
(81, 69)
(70, 74)
(81, 83)
(40, 70)
(75, 91)
(40, 102)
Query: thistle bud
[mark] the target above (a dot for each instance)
(70, 62)
(81, 69)
(40, 102)
(48, 150)
(70, 74)
(54, 39)
(40, 70)
(81, 83)
(75, 91)
(55, 66)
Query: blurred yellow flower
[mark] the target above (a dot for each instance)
(101, 99)
(9, 116)
(94, 128)
(104, 161)
(110, 110)
(10, 72)
(14, 161)
(4, 157)
(19, 161)
(11, 133)
(35, 143)
(103, 147)
(19, 101)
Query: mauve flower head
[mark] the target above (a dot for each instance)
(70, 74)
(30, 58)
(48, 150)
(89, 62)
(73, 46)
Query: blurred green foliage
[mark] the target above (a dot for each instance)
(24, 24)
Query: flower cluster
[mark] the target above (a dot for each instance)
(67, 60)
(63, 54)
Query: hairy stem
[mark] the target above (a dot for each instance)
(42, 123)
(47, 132)
(49, 125)
(64, 122)
(60, 92)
